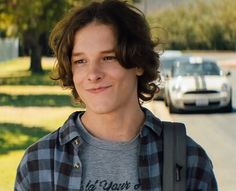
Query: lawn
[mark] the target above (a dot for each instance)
(31, 106)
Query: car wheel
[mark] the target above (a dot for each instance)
(229, 107)
(172, 108)
(165, 101)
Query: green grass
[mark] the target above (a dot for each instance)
(15, 72)
(34, 100)
(31, 106)
(17, 136)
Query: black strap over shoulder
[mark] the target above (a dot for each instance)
(174, 163)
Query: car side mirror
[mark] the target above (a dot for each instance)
(228, 73)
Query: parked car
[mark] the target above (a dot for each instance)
(198, 84)
(167, 59)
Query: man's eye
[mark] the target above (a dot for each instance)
(109, 58)
(80, 61)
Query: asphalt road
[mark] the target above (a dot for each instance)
(215, 132)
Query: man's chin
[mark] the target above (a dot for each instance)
(101, 109)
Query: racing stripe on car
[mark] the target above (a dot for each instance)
(197, 84)
(203, 82)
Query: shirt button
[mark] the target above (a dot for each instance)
(77, 165)
(77, 141)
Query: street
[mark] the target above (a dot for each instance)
(215, 132)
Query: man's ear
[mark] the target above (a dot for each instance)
(139, 71)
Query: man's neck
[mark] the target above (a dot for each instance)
(115, 126)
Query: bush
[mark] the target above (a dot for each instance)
(197, 25)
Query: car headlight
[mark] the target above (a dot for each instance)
(176, 88)
(224, 87)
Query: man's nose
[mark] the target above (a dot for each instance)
(95, 72)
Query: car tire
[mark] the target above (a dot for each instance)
(165, 101)
(172, 108)
(229, 107)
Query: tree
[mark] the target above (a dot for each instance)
(31, 21)
(198, 25)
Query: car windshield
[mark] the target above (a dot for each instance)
(191, 69)
(166, 64)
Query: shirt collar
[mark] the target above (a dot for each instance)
(69, 131)
(152, 122)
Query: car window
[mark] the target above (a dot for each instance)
(190, 69)
(166, 64)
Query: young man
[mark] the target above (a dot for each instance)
(105, 55)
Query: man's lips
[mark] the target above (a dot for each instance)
(98, 89)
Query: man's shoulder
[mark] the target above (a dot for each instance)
(200, 175)
(199, 165)
(45, 144)
(60, 136)
(195, 152)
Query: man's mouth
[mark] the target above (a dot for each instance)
(98, 89)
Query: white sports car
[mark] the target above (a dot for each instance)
(198, 84)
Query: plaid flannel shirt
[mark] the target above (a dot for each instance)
(53, 162)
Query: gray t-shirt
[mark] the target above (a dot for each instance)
(108, 165)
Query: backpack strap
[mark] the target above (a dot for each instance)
(175, 162)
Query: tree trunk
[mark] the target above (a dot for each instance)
(35, 59)
(31, 41)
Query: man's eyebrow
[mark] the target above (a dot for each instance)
(102, 52)
(108, 51)
(76, 54)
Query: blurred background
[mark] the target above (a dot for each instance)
(32, 105)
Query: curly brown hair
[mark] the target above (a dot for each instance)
(134, 48)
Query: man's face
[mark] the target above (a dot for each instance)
(101, 82)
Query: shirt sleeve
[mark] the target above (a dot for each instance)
(200, 175)
(22, 181)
